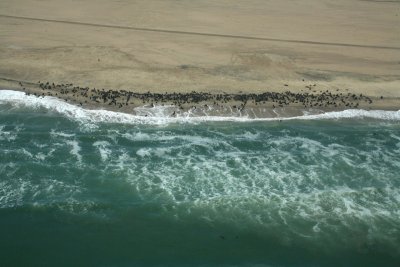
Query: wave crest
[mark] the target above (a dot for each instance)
(160, 115)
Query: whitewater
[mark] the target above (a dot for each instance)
(104, 188)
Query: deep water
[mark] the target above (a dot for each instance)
(257, 193)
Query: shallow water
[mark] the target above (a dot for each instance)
(96, 188)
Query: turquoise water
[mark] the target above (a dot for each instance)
(103, 192)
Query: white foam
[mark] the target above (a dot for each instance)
(139, 136)
(12, 193)
(8, 135)
(75, 148)
(103, 147)
(143, 152)
(266, 188)
(161, 115)
(54, 133)
(155, 111)
(22, 191)
(395, 137)
(26, 152)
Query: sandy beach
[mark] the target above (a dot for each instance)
(201, 133)
(217, 47)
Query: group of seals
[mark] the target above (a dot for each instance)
(121, 99)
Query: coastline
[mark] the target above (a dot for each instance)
(247, 50)
(200, 133)
(268, 104)
(195, 184)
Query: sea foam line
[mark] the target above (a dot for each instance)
(159, 113)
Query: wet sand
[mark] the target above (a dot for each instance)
(311, 100)
(215, 47)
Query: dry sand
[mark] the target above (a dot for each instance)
(350, 45)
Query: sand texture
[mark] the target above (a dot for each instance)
(216, 46)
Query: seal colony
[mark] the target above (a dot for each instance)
(211, 55)
(219, 103)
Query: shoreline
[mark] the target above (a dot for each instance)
(163, 65)
(268, 104)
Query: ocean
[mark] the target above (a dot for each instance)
(98, 188)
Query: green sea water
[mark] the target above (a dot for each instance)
(103, 192)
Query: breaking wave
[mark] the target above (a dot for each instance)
(161, 115)
(326, 185)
